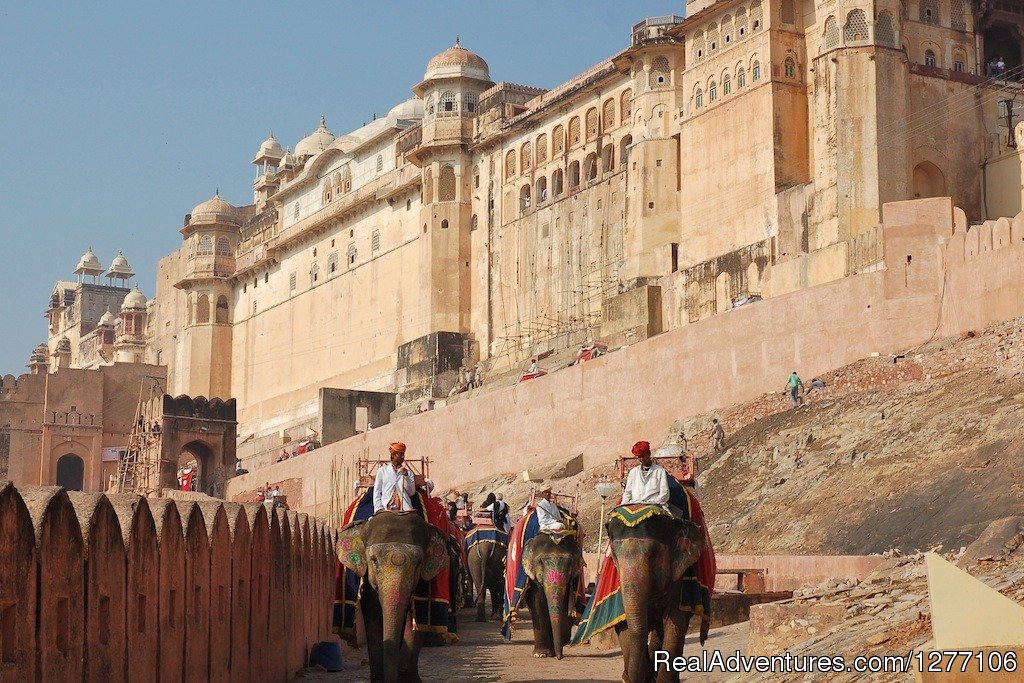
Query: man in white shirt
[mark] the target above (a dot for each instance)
(648, 482)
(395, 483)
(501, 512)
(549, 517)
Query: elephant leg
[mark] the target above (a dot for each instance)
(497, 595)
(675, 623)
(543, 639)
(478, 567)
(627, 643)
(411, 657)
(373, 622)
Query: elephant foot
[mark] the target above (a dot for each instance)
(538, 652)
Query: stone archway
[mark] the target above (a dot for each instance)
(928, 181)
(71, 472)
(209, 478)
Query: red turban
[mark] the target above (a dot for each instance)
(641, 448)
(397, 447)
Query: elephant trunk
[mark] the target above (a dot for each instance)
(395, 589)
(557, 605)
(634, 566)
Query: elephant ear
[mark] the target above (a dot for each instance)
(435, 556)
(688, 546)
(351, 549)
(527, 560)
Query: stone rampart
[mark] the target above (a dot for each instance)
(123, 588)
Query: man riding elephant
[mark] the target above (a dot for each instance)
(544, 569)
(659, 574)
(485, 549)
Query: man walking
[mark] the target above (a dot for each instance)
(794, 385)
(717, 436)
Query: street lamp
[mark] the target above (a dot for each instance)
(605, 489)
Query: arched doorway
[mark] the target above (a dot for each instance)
(197, 468)
(71, 472)
(928, 181)
(1002, 41)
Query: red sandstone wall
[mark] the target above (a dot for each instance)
(139, 590)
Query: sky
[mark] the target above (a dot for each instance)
(116, 119)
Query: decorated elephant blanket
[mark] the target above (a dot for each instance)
(605, 608)
(432, 608)
(516, 580)
(481, 533)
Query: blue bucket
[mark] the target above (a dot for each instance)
(326, 654)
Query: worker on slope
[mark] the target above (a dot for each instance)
(794, 385)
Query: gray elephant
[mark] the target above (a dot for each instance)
(554, 569)
(652, 559)
(391, 552)
(487, 566)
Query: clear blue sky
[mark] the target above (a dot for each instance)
(117, 118)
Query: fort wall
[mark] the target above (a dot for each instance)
(935, 283)
(131, 588)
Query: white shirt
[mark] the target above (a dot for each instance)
(387, 482)
(549, 516)
(649, 487)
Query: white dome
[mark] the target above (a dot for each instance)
(269, 149)
(316, 142)
(410, 109)
(214, 210)
(135, 300)
(88, 264)
(288, 159)
(107, 319)
(119, 267)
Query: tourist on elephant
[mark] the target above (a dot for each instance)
(395, 484)
(501, 513)
(648, 483)
(548, 515)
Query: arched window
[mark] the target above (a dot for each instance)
(541, 148)
(223, 246)
(590, 167)
(526, 157)
(788, 13)
(223, 315)
(930, 11)
(205, 245)
(726, 84)
(591, 124)
(70, 472)
(928, 181)
(510, 163)
(446, 184)
(314, 274)
(608, 113)
(741, 77)
(884, 33)
(469, 102)
(351, 255)
(449, 102)
(574, 131)
(789, 67)
(698, 99)
(756, 16)
(375, 240)
(524, 198)
(203, 309)
(332, 264)
(699, 47)
(380, 163)
(574, 175)
(712, 92)
(929, 58)
(856, 28)
(444, 224)
(558, 141)
(755, 71)
(958, 15)
(346, 179)
(557, 182)
(624, 144)
(430, 105)
(428, 185)
(476, 176)
(713, 39)
(831, 33)
(659, 76)
(509, 207)
(474, 223)
(959, 61)
(608, 158)
(726, 29)
(327, 192)
(741, 22)
(626, 106)
(542, 190)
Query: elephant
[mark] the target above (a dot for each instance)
(652, 558)
(487, 565)
(391, 552)
(553, 569)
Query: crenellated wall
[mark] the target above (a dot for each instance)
(123, 588)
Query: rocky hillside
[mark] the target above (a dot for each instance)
(911, 452)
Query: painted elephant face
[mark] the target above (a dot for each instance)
(377, 547)
(656, 553)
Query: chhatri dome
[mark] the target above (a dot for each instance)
(134, 300)
(269, 148)
(107, 319)
(457, 61)
(88, 264)
(214, 210)
(316, 142)
(119, 268)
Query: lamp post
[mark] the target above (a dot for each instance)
(605, 489)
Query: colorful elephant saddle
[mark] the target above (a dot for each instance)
(631, 515)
